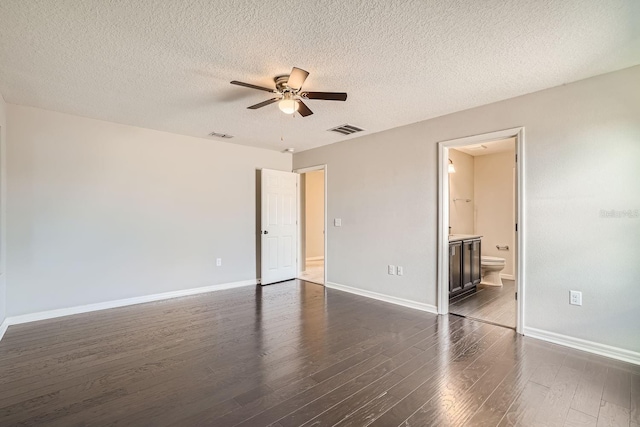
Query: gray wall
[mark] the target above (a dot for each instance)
(582, 156)
(100, 211)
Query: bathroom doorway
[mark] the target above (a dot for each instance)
(312, 242)
(479, 256)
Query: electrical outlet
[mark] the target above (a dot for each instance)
(218, 262)
(400, 270)
(391, 269)
(576, 298)
(337, 222)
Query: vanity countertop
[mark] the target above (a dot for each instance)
(460, 237)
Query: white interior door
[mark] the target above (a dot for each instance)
(278, 226)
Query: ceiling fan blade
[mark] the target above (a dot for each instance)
(266, 89)
(297, 78)
(329, 96)
(263, 103)
(303, 109)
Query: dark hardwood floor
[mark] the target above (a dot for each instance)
(491, 304)
(294, 354)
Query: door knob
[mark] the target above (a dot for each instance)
(265, 232)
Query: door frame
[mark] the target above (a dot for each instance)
(299, 257)
(443, 216)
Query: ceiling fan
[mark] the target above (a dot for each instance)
(289, 92)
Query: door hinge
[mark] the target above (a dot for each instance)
(516, 226)
(516, 296)
(516, 158)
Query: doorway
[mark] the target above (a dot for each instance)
(312, 225)
(480, 228)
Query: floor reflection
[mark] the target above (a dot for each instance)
(289, 326)
(492, 304)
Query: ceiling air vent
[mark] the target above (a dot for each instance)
(346, 129)
(220, 135)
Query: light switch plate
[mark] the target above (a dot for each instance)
(391, 269)
(399, 270)
(337, 222)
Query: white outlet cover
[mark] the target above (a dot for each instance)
(391, 269)
(575, 298)
(400, 270)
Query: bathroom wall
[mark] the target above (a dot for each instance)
(494, 204)
(461, 182)
(314, 213)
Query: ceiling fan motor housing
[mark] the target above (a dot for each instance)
(281, 84)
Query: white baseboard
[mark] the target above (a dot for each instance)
(315, 258)
(3, 328)
(386, 298)
(507, 276)
(50, 314)
(584, 345)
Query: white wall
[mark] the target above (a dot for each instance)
(494, 205)
(314, 214)
(582, 156)
(461, 214)
(3, 203)
(99, 211)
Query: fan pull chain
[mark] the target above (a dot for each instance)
(281, 130)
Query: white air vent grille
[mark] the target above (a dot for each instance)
(220, 135)
(346, 129)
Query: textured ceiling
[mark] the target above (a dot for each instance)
(167, 65)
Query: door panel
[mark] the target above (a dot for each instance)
(287, 251)
(272, 253)
(288, 210)
(278, 225)
(272, 209)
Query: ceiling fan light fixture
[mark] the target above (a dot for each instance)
(288, 105)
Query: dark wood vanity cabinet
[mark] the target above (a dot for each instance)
(464, 266)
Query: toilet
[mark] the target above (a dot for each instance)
(491, 267)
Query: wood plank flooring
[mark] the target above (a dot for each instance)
(491, 304)
(295, 354)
